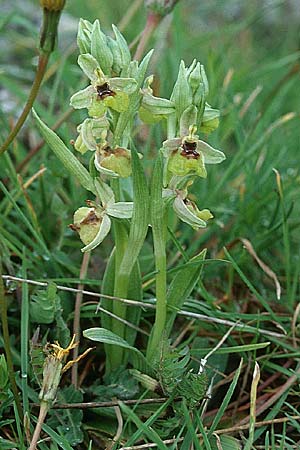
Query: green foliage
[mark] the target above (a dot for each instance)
(68, 422)
(46, 308)
(252, 67)
(175, 377)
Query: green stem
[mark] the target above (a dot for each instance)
(159, 231)
(159, 240)
(116, 354)
(47, 44)
(41, 69)
(44, 408)
(8, 354)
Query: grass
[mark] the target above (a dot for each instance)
(252, 63)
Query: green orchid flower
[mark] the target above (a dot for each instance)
(186, 210)
(93, 222)
(103, 92)
(91, 131)
(188, 155)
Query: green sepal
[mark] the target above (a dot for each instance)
(67, 158)
(124, 52)
(100, 49)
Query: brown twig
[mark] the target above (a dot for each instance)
(151, 24)
(107, 404)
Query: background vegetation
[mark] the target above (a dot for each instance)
(250, 51)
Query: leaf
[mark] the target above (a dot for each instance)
(147, 431)
(224, 442)
(181, 287)
(108, 337)
(226, 400)
(67, 158)
(68, 422)
(6, 445)
(135, 292)
(44, 304)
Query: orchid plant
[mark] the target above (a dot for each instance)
(118, 98)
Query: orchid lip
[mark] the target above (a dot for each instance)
(104, 91)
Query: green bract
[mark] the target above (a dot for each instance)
(103, 92)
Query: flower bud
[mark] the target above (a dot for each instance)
(100, 49)
(52, 11)
(84, 36)
(182, 95)
(188, 117)
(51, 378)
(53, 5)
(160, 7)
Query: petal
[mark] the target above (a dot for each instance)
(211, 155)
(186, 215)
(102, 233)
(181, 165)
(97, 107)
(104, 171)
(119, 102)
(83, 98)
(89, 65)
(170, 145)
(127, 85)
(121, 210)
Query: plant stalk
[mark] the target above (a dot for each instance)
(40, 72)
(116, 354)
(159, 232)
(151, 24)
(38, 428)
(159, 240)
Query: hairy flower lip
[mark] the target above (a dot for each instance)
(104, 91)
